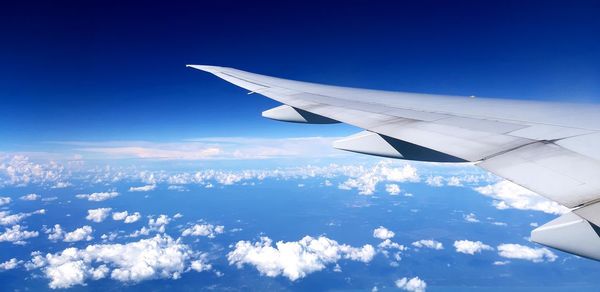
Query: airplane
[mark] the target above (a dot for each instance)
(551, 148)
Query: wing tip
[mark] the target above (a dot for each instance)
(205, 68)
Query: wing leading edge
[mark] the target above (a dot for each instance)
(550, 148)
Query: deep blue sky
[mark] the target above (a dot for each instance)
(102, 70)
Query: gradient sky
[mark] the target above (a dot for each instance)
(107, 70)
(98, 111)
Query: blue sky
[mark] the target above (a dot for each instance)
(115, 71)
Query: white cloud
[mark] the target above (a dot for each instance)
(366, 180)
(413, 285)
(392, 189)
(178, 188)
(471, 218)
(132, 218)
(11, 219)
(454, 182)
(5, 200)
(161, 220)
(117, 216)
(428, 243)
(10, 264)
(157, 225)
(126, 217)
(383, 233)
(435, 181)
(470, 247)
(79, 234)
(61, 185)
(18, 170)
(153, 258)
(295, 259)
(98, 215)
(145, 188)
(17, 235)
(142, 231)
(501, 263)
(509, 195)
(521, 252)
(207, 230)
(55, 233)
(153, 152)
(30, 197)
(200, 266)
(213, 148)
(109, 237)
(388, 244)
(98, 197)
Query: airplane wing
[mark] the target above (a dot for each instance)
(550, 148)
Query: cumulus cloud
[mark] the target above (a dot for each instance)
(454, 182)
(30, 197)
(17, 235)
(470, 247)
(61, 185)
(295, 259)
(159, 223)
(521, 252)
(19, 170)
(11, 219)
(132, 218)
(126, 217)
(428, 243)
(10, 264)
(389, 244)
(471, 218)
(142, 231)
(207, 230)
(117, 216)
(145, 188)
(366, 180)
(435, 181)
(391, 249)
(153, 258)
(79, 234)
(98, 197)
(383, 233)
(98, 215)
(5, 200)
(508, 195)
(392, 189)
(154, 225)
(55, 233)
(413, 285)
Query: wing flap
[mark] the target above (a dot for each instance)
(559, 174)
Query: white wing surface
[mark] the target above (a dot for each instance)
(550, 148)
